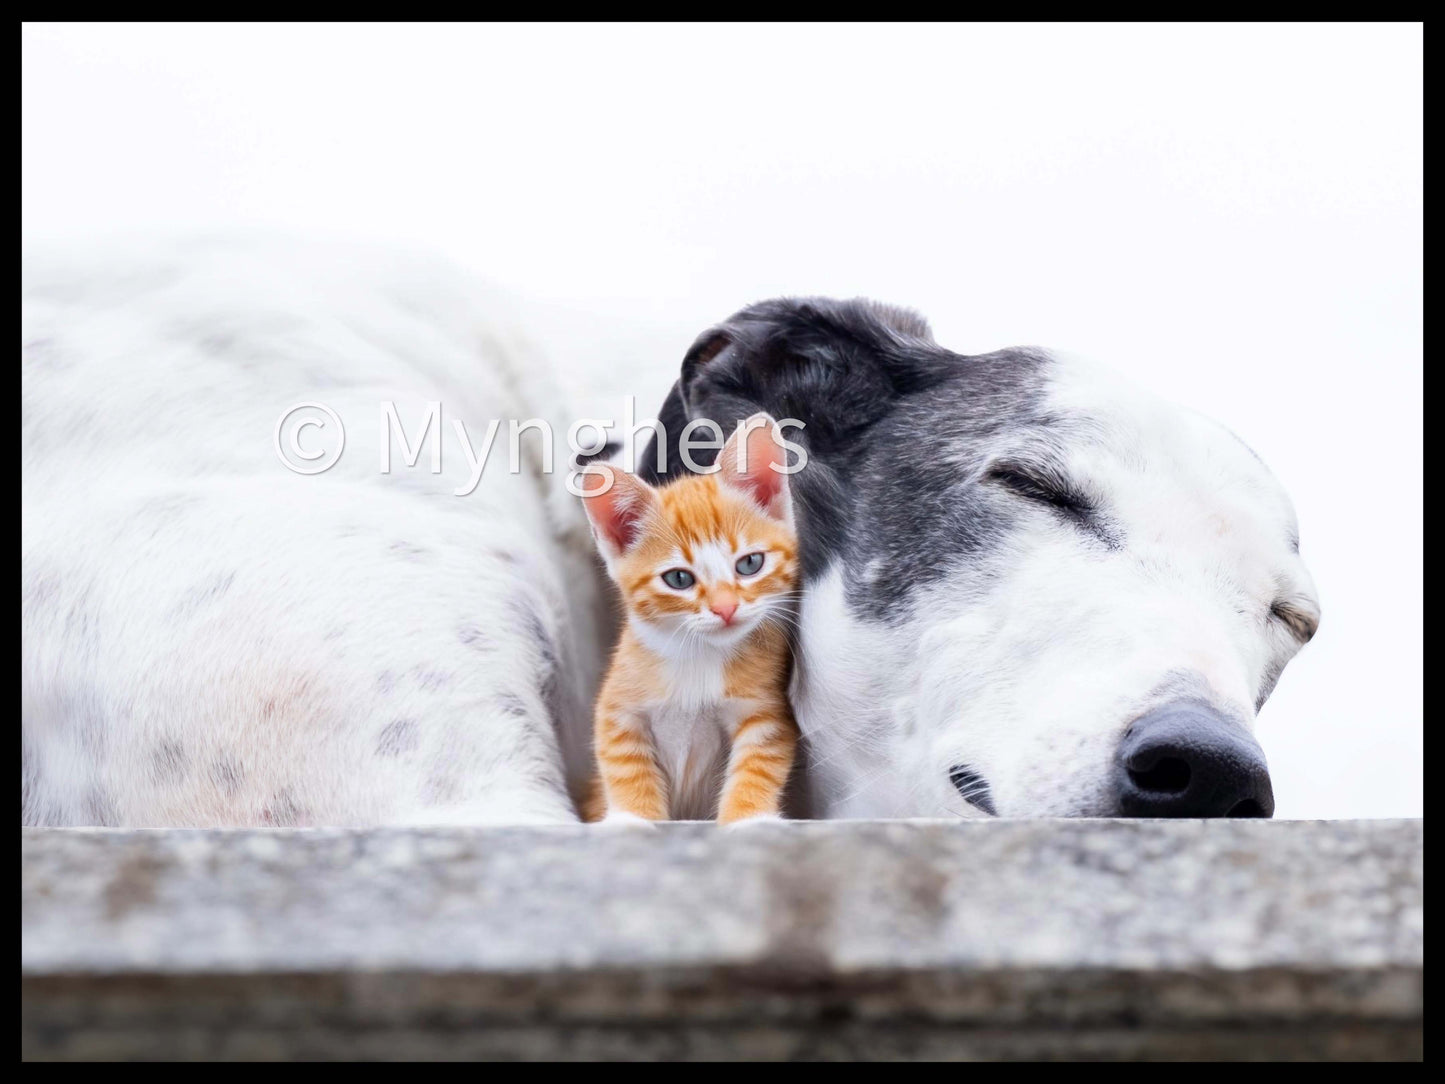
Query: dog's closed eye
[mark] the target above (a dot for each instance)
(1044, 484)
(1302, 625)
(1038, 484)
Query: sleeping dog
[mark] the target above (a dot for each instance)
(1029, 590)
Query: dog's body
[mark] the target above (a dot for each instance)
(210, 639)
(1010, 561)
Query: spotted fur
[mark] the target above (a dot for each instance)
(210, 640)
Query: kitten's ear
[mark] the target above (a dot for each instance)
(752, 461)
(616, 503)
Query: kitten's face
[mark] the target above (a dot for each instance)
(706, 559)
(708, 566)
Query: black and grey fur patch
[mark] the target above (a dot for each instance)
(898, 433)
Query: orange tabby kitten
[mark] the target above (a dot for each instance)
(693, 719)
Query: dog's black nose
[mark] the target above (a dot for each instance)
(1187, 760)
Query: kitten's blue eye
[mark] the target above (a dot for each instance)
(679, 579)
(749, 565)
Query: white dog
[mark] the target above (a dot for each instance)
(1029, 590)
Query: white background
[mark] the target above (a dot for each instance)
(1232, 215)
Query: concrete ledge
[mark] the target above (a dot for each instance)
(1181, 939)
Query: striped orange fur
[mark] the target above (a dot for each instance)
(693, 721)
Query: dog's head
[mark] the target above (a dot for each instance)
(1030, 589)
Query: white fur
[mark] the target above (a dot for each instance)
(209, 639)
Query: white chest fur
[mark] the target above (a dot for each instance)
(692, 729)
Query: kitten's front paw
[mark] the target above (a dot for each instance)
(619, 818)
(753, 821)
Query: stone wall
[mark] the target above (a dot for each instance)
(977, 939)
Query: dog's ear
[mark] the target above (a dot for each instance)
(835, 366)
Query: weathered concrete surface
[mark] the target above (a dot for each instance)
(827, 940)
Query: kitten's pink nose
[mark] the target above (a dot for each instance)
(725, 606)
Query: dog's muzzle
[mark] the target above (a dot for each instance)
(1187, 760)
